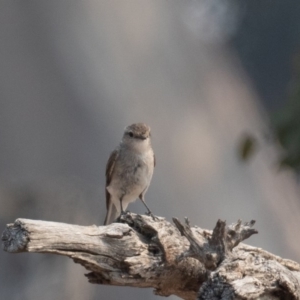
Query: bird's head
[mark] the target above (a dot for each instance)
(137, 134)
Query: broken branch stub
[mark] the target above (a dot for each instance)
(212, 248)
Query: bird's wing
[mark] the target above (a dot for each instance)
(109, 171)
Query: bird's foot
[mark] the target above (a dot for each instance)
(123, 215)
(124, 212)
(149, 213)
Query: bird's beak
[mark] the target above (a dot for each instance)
(142, 137)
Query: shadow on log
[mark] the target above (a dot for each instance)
(181, 260)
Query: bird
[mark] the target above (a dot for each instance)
(129, 171)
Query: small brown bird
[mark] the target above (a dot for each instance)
(129, 171)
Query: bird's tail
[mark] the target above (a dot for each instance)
(111, 214)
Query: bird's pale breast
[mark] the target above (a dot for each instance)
(132, 175)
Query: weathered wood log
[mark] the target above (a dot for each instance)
(185, 261)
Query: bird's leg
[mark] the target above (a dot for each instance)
(121, 205)
(123, 212)
(149, 213)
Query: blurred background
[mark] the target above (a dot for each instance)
(203, 74)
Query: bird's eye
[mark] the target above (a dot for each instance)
(130, 134)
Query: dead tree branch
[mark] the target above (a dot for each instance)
(185, 261)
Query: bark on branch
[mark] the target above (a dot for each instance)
(185, 261)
